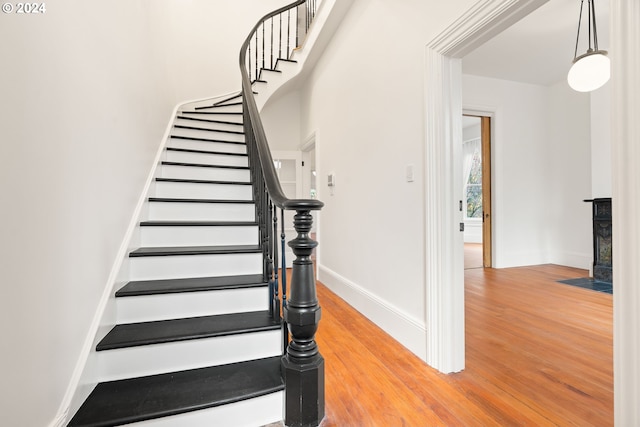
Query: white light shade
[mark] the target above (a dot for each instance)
(590, 71)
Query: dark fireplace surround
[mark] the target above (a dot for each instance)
(602, 235)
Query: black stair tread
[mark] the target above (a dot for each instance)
(191, 150)
(221, 122)
(137, 399)
(222, 141)
(172, 200)
(270, 69)
(201, 165)
(222, 113)
(165, 331)
(203, 181)
(194, 250)
(239, 95)
(234, 132)
(226, 104)
(218, 106)
(198, 223)
(193, 284)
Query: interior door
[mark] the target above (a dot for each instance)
(485, 125)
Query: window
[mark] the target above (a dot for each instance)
(473, 187)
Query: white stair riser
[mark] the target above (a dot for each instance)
(206, 159)
(235, 118)
(207, 134)
(189, 190)
(185, 266)
(154, 359)
(258, 411)
(201, 211)
(207, 145)
(198, 235)
(230, 125)
(212, 174)
(223, 99)
(148, 308)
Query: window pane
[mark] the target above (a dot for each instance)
(474, 201)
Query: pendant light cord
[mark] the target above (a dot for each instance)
(595, 31)
(575, 53)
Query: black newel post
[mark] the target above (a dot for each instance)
(303, 366)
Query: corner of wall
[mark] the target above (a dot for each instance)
(407, 330)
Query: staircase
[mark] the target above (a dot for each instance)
(195, 343)
(199, 336)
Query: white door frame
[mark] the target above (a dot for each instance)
(443, 117)
(443, 110)
(625, 149)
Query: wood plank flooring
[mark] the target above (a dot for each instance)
(538, 353)
(472, 255)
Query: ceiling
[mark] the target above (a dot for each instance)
(539, 48)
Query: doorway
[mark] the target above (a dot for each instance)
(288, 165)
(309, 182)
(476, 190)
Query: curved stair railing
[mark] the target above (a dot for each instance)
(273, 39)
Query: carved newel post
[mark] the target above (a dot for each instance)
(303, 366)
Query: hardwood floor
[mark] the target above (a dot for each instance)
(538, 353)
(472, 255)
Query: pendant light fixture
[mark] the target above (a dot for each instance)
(592, 69)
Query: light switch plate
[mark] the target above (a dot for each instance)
(409, 173)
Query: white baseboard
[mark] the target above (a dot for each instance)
(509, 259)
(573, 259)
(407, 330)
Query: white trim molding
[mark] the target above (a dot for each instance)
(309, 143)
(403, 327)
(625, 146)
(444, 280)
(484, 20)
(443, 114)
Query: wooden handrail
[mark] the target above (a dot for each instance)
(266, 160)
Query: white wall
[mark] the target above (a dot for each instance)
(601, 173)
(201, 41)
(471, 132)
(364, 101)
(87, 91)
(472, 231)
(81, 116)
(541, 170)
(520, 170)
(281, 120)
(570, 240)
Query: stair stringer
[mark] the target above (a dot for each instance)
(86, 372)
